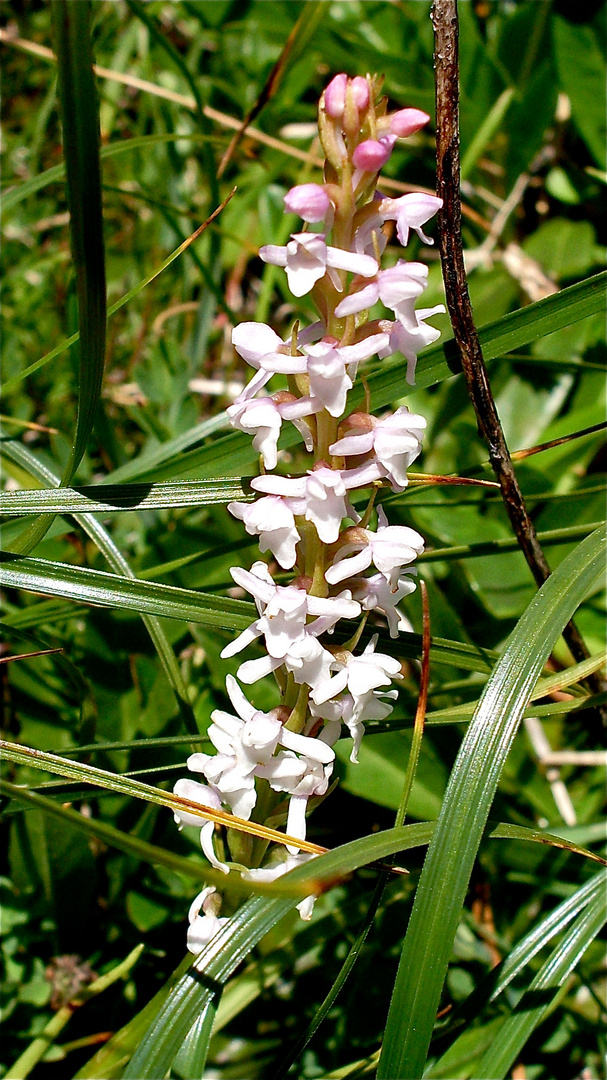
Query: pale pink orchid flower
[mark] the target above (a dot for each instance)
(410, 212)
(410, 340)
(289, 639)
(321, 497)
(377, 594)
(359, 674)
(207, 798)
(263, 349)
(204, 926)
(353, 712)
(270, 518)
(309, 201)
(263, 416)
(372, 154)
(397, 287)
(406, 122)
(330, 368)
(394, 440)
(277, 869)
(306, 258)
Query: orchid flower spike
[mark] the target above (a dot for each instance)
(327, 566)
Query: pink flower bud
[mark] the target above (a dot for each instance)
(309, 201)
(360, 92)
(372, 154)
(335, 96)
(407, 121)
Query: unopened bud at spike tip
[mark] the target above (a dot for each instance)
(335, 96)
(406, 122)
(359, 88)
(309, 201)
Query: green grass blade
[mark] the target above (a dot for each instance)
(471, 789)
(486, 131)
(80, 122)
(192, 1057)
(56, 174)
(84, 585)
(543, 991)
(114, 590)
(490, 988)
(23, 457)
(80, 125)
(98, 499)
(541, 934)
(505, 544)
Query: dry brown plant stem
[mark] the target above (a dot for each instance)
(446, 32)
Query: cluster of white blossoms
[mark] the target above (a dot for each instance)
(272, 764)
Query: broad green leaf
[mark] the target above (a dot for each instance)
(580, 61)
(471, 789)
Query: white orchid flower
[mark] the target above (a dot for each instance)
(394, 440)
(306, 258)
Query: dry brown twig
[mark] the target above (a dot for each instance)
(446, 31)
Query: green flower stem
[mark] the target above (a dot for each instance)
(297, 719)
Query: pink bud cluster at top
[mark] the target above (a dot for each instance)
(343, 568)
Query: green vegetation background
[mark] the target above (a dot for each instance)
(532, 123)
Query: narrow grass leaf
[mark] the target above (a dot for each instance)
(80, 124)
(490, 988)
(24, 457)
(99, 587)
(472, 786)
(100, 499)
(543, 991)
